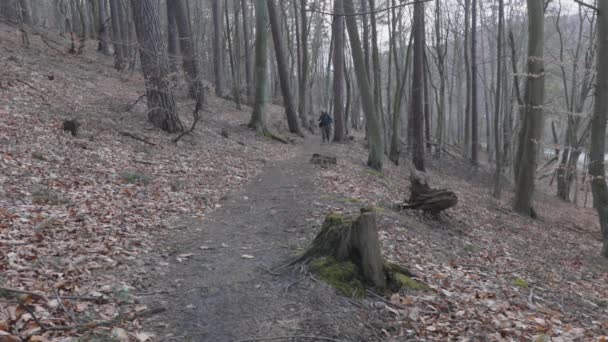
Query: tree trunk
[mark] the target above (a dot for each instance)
(103, 45)
(338, 51)
(119, 49)
(258, 117)
(474, 113)
(234, 55)
(302, 103)
(172, 37)
(377, 72)
(218, 51)
(416, 120)
(376, 150)
(598, 127)
(499, 62)
(279, 49)
(467, 67)
(533, 121)
(162, 111)
(246, 40)
(182, 18)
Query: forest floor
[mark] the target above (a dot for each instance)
(99, 230)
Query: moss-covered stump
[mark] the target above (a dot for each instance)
(346, 254)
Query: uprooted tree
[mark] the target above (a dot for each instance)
(346, 253)
(425, 198)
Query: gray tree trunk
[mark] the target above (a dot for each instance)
(302, 102)
(499, 66)
(103, 45)
(417, 113)
(279, 49)
(258, 117)
(162, 111)
(598, 127)
(474, 113)
(246, 40)
(218, 55)
(533, 120)
(338, 60)
(119, 49)
(172, 37)
(186, 44)
(376, 149)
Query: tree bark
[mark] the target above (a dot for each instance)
(338, 86)
(467, 67)
(246, 40)
(533, 121)
(172, 36)
(499, 63)
(376, 150)
(598, 127)
(302, 103)
(474, 113)
(416, 120)
(218, 55)
(162, 111)
(119, 49)
(258, 117)
(103, 45)
(279, 49)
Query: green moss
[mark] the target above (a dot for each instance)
(352, 200)
(344, 276)
(520, 283)
(135, 178)
(374, 173)
(409, 283)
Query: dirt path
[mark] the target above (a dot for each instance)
(218, 294)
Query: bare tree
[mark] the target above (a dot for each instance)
(416, 123)
(376, 150)
(103, 45)
(499, 66)
(119, 48)
(598, 127)
(474, 114)
(338, 54)
(533, 120)
(279, 49)
(162, 111)
(258, 116)
(218, 55)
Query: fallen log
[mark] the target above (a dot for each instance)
(323, 160)
(425, 198)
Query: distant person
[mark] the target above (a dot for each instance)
(325, 122)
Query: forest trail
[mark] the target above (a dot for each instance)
(224, 291)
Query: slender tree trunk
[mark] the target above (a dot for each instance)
(377, 72)
(279, 49)
(162, 111)
(417, 111)
(467, 66)
(218, 55)
(338, 51)
(246, 42)
(258, 117)
(598, 127)
(119, 49)
(186, 44)
(499, 63)
(376, 150)
(533, 121)
(103, 45)
(474, 78)
(123, 14)
(172, 37)
(303, 104)
(234, 54)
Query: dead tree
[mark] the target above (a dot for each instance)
(425, 198)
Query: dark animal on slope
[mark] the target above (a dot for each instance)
(71, 126)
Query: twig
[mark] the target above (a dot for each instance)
(8, 289)
(42, 326)
(92, 325)
(144, 162)
(134, 103)
(398, 306)
(133, 136)
(34, 88)
(293, 283)
(197, 109)
(69, 313)
(288, 338)
(580, 2)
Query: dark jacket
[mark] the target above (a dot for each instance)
(325, 120)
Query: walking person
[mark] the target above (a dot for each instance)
(325, 122)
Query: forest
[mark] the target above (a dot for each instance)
(303, 170)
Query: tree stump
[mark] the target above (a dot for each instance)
(427, 199)
(354, 241)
